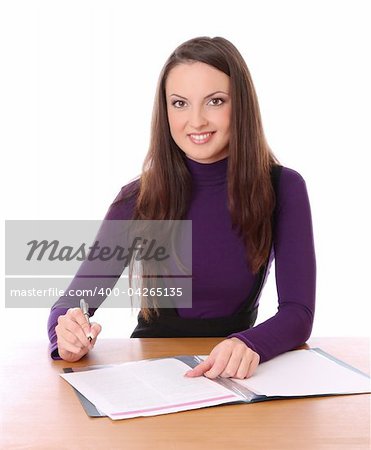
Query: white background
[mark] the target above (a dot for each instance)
(77, 81)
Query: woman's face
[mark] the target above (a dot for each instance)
(199, 110)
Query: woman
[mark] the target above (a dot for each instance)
(209, 162)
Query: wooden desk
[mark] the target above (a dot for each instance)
(41, 411)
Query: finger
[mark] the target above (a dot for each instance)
(253, 366)
(68, 323)
(77, 315)
(68, 343)
(219, 364)
(70, 356)
(248, 366)
(95, 329)
(64, 334)
(200, 369)
(74, 333)
(233, 365)
(243, 369)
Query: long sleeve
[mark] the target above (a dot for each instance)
(120, 209)
(295, 268)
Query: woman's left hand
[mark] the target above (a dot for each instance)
(230, 358)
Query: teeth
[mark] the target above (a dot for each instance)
(200, 137)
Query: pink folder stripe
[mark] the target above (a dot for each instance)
(138, 411)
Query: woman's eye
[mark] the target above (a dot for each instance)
(178, 103)
(216, 101)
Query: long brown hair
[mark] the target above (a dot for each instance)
(165, 184)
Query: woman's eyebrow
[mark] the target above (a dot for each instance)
(207, 96)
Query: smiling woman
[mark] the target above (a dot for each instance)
(209, 163)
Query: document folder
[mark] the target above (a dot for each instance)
(158, 386)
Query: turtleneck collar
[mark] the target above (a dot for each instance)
(208, 174)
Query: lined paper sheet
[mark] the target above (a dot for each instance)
(303, 373)
(147, 388)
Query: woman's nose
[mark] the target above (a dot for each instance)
(197, 118)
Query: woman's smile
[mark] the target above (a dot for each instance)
(201, 138)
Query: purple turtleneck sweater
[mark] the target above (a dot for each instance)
(221, 279)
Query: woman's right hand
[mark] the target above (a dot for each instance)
(72, 331)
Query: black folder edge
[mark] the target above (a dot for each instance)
(88, 406)
(193, 361)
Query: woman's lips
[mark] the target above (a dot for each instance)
(201, 138)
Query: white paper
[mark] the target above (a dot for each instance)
(302, 373)
(147, 388)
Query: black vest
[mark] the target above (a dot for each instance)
(170, 324)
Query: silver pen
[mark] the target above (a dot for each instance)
(84, 306)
